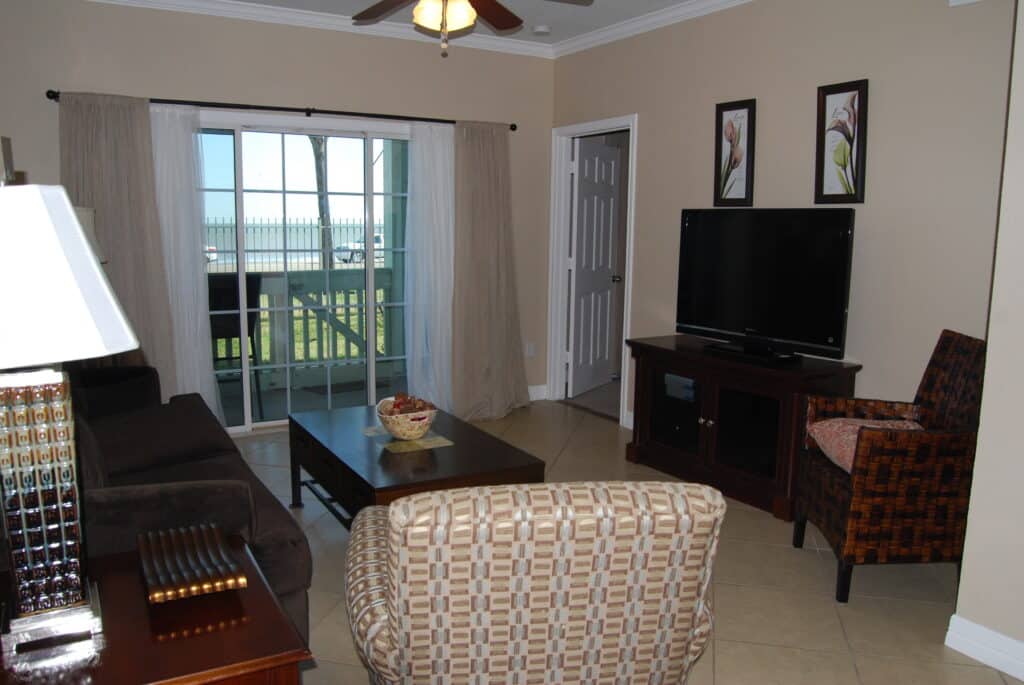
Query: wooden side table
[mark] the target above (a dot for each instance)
(232, 637)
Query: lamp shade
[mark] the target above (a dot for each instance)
(427, 14)
(57, 303)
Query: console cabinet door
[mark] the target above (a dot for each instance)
(677, 411)
(745, 431)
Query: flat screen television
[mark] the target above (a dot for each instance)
(770, 282)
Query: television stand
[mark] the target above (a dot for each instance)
(732, 421)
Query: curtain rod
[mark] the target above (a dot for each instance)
(308, 111)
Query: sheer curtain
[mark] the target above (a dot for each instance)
(429, 263)
(177, 166)
(490, 375)
(106, 162)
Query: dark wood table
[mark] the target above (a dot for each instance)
(351, 470)
(240, 636)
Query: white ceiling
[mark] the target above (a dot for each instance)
(566, 18)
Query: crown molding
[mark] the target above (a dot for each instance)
(234, 9)
(643, 24)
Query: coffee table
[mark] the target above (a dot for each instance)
(350, 470)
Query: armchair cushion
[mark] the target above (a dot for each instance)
(837, 438)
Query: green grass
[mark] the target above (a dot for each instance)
(310, 340)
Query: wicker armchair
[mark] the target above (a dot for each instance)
(566, 583)
(905, 496)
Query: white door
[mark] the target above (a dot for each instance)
(594, 236)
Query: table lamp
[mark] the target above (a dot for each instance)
(57, 307)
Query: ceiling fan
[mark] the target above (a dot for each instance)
(448, 16)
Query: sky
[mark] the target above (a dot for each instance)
(262, 155)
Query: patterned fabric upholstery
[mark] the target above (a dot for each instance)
(544, 583)
(837, 438)
(906, 494)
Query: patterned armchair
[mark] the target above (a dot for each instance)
(904, 496)
(561, 583)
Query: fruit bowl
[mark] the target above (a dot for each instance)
(410, 426)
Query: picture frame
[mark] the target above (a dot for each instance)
(841, 143)
(735, 129)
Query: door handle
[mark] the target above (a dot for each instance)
(701, 420)
(616, 279)
(711, 422)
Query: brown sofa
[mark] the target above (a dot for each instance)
(147, 465)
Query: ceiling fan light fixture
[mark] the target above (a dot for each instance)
(428, 14)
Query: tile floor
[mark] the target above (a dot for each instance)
(776, 619)
(603, 400)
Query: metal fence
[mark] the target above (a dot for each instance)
(270, 245)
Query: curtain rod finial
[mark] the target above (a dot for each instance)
(514, 127)
(53, 95)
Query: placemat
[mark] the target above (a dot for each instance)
(428, 442)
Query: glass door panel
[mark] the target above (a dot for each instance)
(302, 328)
(676, 414)
(308, 388)
(220, 244)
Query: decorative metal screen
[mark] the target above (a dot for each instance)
(40, 492)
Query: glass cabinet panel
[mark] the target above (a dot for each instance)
(676, 411)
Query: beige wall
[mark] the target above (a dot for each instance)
(75, 45)
(923, 241)
(992, 585)
(938, 76)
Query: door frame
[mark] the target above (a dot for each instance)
(558, 251)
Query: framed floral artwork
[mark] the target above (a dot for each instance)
(735, 123)
(841, 143)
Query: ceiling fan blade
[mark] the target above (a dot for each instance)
(377, 11)
(496, 14)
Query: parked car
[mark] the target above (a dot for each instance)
(354, 252)
(211, 253)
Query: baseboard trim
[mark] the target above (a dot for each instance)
(538, 392)
(988, 646)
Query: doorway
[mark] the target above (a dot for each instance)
(591, 276)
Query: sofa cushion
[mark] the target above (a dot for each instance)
(837, 438)
(178, 432)
(278, 543)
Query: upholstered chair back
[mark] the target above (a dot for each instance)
(949, 397)
(555, 583)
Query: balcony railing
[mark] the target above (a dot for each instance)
(302, 312)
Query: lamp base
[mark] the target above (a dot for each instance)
(55, 639)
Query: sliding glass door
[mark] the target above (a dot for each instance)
(305, 238)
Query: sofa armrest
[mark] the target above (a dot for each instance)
(909, 495)
(99, 392)
(366, 592)
(114, 516)
(821, 407)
